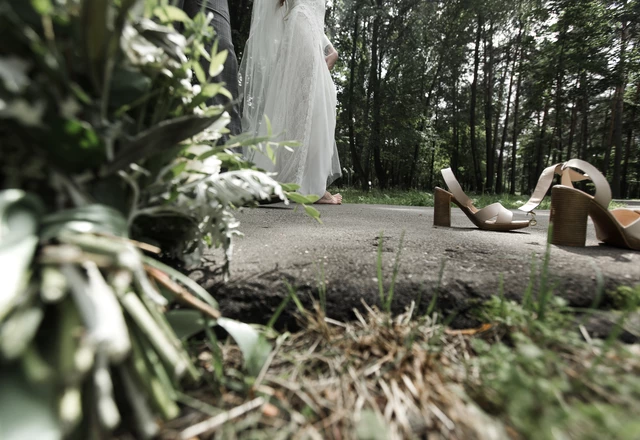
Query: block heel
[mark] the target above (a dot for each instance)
(442, 208)
(569, 213)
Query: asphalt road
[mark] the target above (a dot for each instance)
(281, 244)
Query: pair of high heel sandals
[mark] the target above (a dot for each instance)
(570, 208)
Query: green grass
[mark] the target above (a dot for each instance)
(414, 197)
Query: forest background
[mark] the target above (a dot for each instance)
(497, 89)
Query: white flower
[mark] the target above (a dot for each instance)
(209, 166)
(212, 133)
(138, 49)
(186, 84)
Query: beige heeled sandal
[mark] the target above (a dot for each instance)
(494, 217)
(570, 208)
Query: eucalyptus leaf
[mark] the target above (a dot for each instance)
(184, 280)
(253, 345)
(217, 63)
(169, 13)
(312, 212)
(146, 425)
(251, 141)
(164, 37)
(199, 71)
(26, 411)
(95, 36)
(299, 198)
(153, 375)
(53, 286)
(91, 218)
(100, 310)
(161, 342)
(162, 136)
(187, 322)
(19, 223)
(290, 187)
(18, 331)
(209, 91)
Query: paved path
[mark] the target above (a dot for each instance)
(281, 244)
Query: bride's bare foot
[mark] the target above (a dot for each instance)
(328, 199)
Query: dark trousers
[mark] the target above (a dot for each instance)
(222, 25)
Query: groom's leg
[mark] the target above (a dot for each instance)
(222, 25)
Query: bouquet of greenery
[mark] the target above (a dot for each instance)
(108, 146)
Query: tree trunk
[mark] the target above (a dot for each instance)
(363, 73)
(472, 109)
(617, 132)
(533, 177)
(427, 106)
(456, 126)
(355, 156)
(627, 153)
(556, 145)
(416, 148)
(498, 112)
(374, 79)
(433, 156)
(584, 104)
(572, 131)
(514, 138)
(503, 140)
(488, 107)
(607, 136)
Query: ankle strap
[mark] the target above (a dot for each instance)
(455, 188)
(603, 191)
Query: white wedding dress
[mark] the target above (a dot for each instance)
(284, 76)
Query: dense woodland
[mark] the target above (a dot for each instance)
(498, 89)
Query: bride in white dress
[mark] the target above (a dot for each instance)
(285, 76)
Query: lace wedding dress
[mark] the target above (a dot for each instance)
(284, 76)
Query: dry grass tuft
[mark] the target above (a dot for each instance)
(374, 378)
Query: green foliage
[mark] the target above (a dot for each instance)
(625, 297)
(106, 110)
(425, 198)
(102, 123)
(386, 296)
(544, 379)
